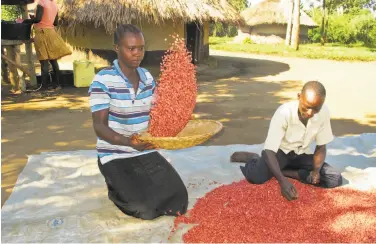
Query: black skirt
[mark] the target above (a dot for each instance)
(145, 186)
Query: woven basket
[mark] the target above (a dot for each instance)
(194, 133)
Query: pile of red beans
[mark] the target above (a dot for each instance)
(243, 212)
(176, 92)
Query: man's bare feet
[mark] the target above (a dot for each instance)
(243, 157)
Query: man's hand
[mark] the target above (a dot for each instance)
(137, 144)
(314, 177)
(288, 190)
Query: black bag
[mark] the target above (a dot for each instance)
(11, 30)
(16, 2)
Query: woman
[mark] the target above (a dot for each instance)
(49, 46)
(140, 182)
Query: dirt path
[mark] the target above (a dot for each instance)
(242, 93)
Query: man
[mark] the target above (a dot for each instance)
(294, 126)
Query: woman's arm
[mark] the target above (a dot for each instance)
(100, 124)
(38, 16)
(56, 21)
(103, 131)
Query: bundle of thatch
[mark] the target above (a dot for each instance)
(272, 12)
(108, 13)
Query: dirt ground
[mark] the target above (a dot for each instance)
(242, 92)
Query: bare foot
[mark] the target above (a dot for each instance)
(243, 157)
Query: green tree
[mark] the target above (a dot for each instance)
(348, 28)
(223, 29)
(329, 7)
(350, 6)
(239, 5)
(10, 12)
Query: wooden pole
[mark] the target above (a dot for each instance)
(29, 52)
(289, 23)
(14, 78)
(17, 65)
(17, 60)
(296, 26)
(4, 69)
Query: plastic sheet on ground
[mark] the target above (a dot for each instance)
(62, 197)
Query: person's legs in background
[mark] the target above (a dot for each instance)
(55, 67)
(45, 76)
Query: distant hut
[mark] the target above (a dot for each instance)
(89, 24)
(266, 22)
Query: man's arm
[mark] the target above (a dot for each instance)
(273, 164)
(319, 157)
(277, 130)
(288, 190)
(323, 137)
(318, 161)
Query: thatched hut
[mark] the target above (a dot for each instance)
(266, 22)
(89, 24)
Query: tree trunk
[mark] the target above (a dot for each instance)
(323, 32)
(296, 26)
(289, 23)
(326, 27)
(4, 69)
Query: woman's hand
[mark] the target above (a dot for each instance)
(19, 20)
(139, 145)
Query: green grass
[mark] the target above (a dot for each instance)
(313, 51)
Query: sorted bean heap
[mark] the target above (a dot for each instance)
(176, 92)
(243, 212)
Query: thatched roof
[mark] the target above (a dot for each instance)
(272, 12)
(108, 13)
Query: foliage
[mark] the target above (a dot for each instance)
(222, 29)
(333, 51)
(239, 5)
(247, 40)
(356, 26)
(349, 6)
(10, 12)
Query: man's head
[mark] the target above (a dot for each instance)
(311, 99)
(129, 45)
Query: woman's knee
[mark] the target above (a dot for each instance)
(148, 214)
(144, 211)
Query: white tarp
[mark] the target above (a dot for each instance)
(62, 197)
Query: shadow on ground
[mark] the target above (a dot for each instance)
(231, 93)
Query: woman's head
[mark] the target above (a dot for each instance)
(129, 45)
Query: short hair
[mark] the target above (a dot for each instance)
(122, 29)
(315, 86)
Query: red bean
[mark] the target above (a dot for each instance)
(176, 92)
(243, 212)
